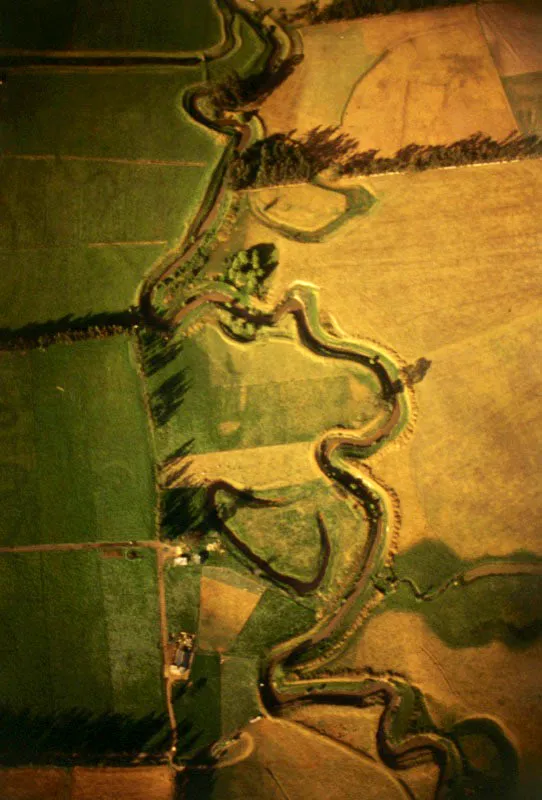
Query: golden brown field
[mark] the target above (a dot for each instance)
(513, 33)
(492, 680)
(224, 609)
(291, 761)
(413, 77)
(445, 266)
(142, 783)
(26, 783)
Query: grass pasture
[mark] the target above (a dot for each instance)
(80, 634)
(89, 207)
(424, 77)
(137, 25)
(77, 462)
(235, 396)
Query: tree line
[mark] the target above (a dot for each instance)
(281, 158)
(351, 9)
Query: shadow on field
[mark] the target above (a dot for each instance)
(78, 735)
(157, 351)
(185, 507)
(168, 397)
(195, 784)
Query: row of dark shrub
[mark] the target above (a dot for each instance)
(476, 149)
(43, 341)
(351, 9)
(280, 158)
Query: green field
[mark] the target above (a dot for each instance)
(275, 619)
(239, 690)
(109, 25)
(80, 631)
(248, 55)
(234, 396)
(197, 707)
(90, 206)
(77, 461)
(182, 587)
(287, 535)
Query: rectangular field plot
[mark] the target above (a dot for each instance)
(76, 461)
(109, 25)
(90, 205)
(80, 641)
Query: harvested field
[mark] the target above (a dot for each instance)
(459, 682)
(288, 760)
(137, 25)
(424, 77)
(76, 465)
(44, 783)
(105, 196)
(355, 727)
(358, 728)
(446, 266)
(224, 610)
(275, 466)
(513, 31)
(140, 783)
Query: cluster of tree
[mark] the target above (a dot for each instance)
(281, 158)
(475, 149)
(232, 91)
(351, 9)
(248, 271)
(274, 160)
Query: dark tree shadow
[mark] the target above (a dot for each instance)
(157, 351)
(78, 735)
(168, 397)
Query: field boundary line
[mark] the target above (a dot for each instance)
(152, 544)
(105, 159)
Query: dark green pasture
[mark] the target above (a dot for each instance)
(76, 459)
(142, 25)
(80, 653)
